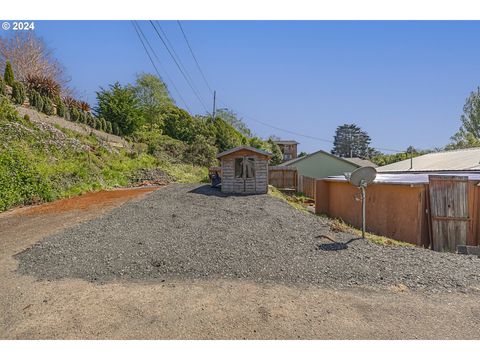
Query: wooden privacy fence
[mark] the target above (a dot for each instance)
(282, 177)
(306, 185)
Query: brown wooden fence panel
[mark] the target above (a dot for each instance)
(306, 185)
(282, 177)
(450, 220)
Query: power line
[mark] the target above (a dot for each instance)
(300, 134)
(179, 67)
(177, 56)
(139, 31)
(194, 57)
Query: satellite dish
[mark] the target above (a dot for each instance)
(363, 176)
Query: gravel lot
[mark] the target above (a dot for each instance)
(196, 232)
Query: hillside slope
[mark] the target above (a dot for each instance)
(43, 162)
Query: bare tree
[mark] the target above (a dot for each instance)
(30, 56)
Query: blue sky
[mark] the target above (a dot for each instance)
(405, 83)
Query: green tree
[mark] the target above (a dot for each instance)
(277, 156)
(178, 124)
(469, 133)
(19, 93)
(8, 75)
(120, 106)
(226, 136)
(153, 96)
(109, 127)
(3, 89)
(302, 153)
(351, 141)
(231, 118)
(47, 106)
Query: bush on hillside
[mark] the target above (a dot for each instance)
(19, 94)
(8, 75)
(36, 100)
(7, 111)
(115, 129)
(109, 127)
(20, 182)
(75, 114)
(48, 106)
(71, 103)
(3, 88)
(84, 106)
(90, 120)
(119, 105)
(44, 85)
(61, 109)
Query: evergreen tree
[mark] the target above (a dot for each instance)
(19, 93)
(351, 141)
(469, 133)
(8, 76)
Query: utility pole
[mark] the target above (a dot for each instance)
(214, 98)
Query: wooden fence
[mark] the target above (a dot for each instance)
(306, 185)
(282, 177)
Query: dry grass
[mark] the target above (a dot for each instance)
(338, 225)
(273, 191)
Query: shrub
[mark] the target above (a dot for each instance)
(71, 103)
(90, 120)
(47, 106)
(109, 127)
(103, 124)
(7, 110)
(83, 117)
(84, 106)
(67, 115)
(20, 182)
(3, 88)
(45, 86)
(75, 114)
(26, 117)
(36, 100)
(115, 129)
(18, 93)
(8, 76)
(61, 109)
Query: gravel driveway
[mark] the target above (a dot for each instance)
(196, 232)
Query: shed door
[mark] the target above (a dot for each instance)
(449, 211)
(245, 174)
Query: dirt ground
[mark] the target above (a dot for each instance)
(203, 309)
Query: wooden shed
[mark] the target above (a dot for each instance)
(244, 170)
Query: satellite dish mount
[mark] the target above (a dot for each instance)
(361, 178)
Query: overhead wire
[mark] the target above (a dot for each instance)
(194, 57)
(139, 31)
(178, 66)
(242, 114)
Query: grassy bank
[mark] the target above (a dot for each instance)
(40, 162)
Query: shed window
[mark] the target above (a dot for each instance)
(245, 167)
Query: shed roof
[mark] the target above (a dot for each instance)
(464, 159)
(410, 178)
(239, 148)
(360, 162)
(298, 159)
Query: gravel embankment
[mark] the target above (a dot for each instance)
(195, 232)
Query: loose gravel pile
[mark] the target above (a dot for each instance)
(186, 231)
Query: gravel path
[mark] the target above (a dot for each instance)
(196, 232)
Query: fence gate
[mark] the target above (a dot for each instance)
(448, 211)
